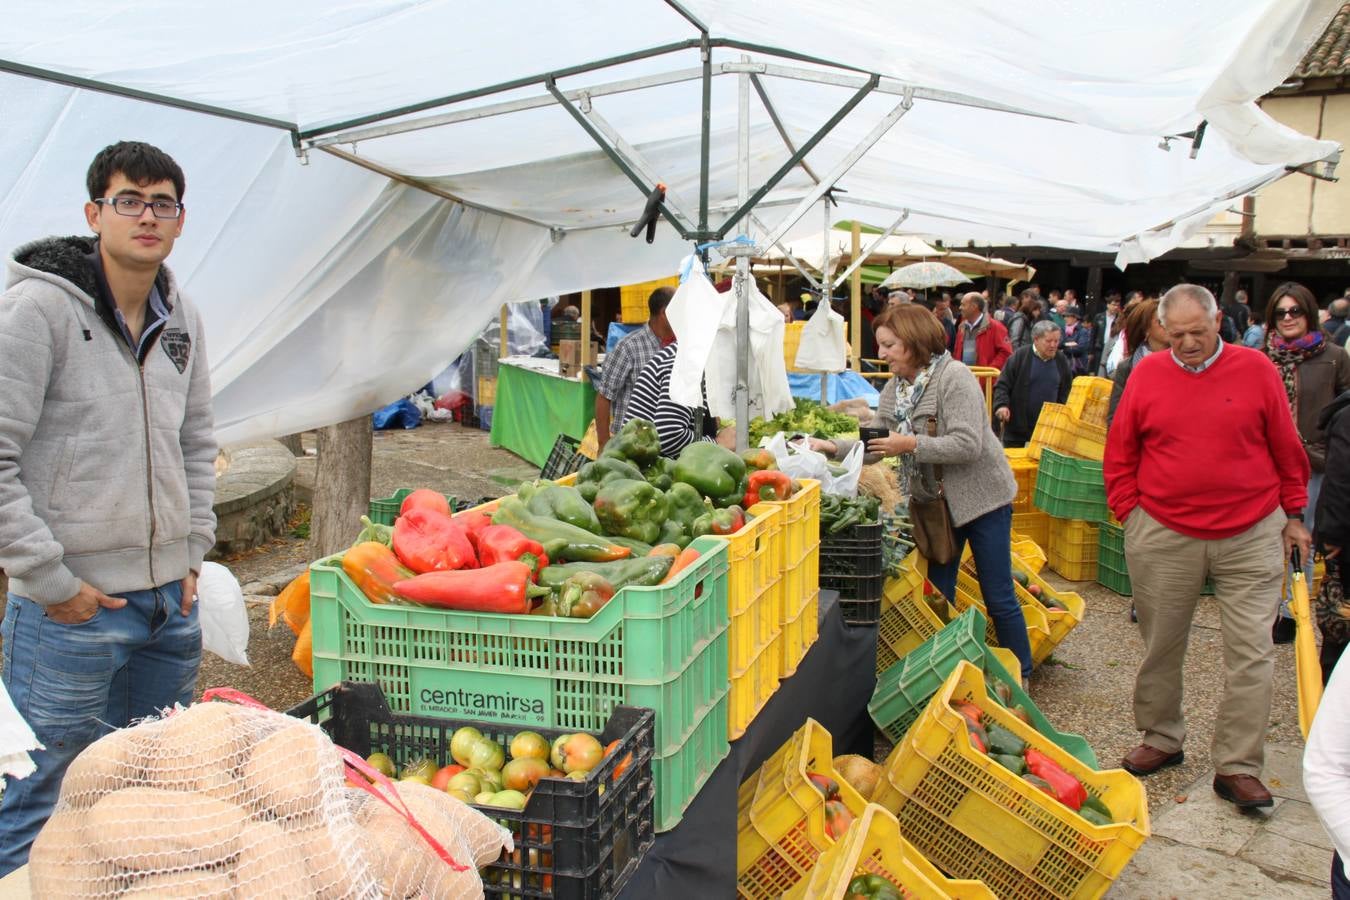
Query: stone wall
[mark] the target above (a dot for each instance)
(255, 496)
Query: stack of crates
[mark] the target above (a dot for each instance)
(755, 608)
(1027, 519)
(1069, 442)
(633, 299)
(799, 524)
(850, 563)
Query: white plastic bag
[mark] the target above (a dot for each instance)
(799, 461)
(766, 374)
(822, 344)
(220, 608)
(694, 314)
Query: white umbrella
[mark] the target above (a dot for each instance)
(925, 275)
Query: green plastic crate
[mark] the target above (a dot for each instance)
(661, 647)
(1071, 488)
(904, 690)
(384, 511)
(1112, 572)
(681, 774)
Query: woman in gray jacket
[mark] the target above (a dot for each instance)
(977, 482)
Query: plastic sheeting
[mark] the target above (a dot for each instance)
(328, 290)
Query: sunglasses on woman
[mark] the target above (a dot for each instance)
(1289, 312)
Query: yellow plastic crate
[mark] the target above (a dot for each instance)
(1090, 398)
(800, 522)
(799, 525)
(975, 819)
(1060, 430)
(1038, 626)
(1028, 551)
(1073, 548)
(1058, 622)
(633, 298)
(1033, 525)
(906, 620)
(800, 633)
(780, 816)
(487, 391)
(1024, 469)
(873, 845)
(755, 556)
(752, 687)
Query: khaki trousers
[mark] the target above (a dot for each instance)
(1168, 570)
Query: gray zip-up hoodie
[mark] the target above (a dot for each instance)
(107, 463)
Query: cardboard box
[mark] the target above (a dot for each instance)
(569, 357)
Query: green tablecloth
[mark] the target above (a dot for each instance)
(532, 409)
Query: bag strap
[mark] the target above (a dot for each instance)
(937, 467)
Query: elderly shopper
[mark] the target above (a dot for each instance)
(1314, 371)
(1035, 375)
(980, 341)
(1077, 341)
(930, 386)
(1205, 469)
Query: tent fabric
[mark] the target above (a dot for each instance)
(329, 290)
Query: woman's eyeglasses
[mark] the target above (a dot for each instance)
(1289, 312)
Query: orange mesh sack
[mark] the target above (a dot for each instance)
(221, 800)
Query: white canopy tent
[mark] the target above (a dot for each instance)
(329, 289)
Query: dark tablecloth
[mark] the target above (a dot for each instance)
(832, 685)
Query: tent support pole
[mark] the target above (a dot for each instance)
(855, 296)
(860, 257)
(613, 155)
(705, 139)
(778, 123)
(801, 153)
(742, 398)
(635, 159)
(810, 279)
(840, 168)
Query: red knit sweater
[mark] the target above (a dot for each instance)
(1210, 454)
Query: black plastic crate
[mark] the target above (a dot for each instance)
(575, 840)
(855, 552)
(859, 596)
(563, 459)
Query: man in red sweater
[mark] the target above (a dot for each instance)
(1205, 468)
(980, 339)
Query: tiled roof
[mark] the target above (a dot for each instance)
(1330, 56)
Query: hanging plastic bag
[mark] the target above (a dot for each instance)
(694, 314)
(766, 374)
(822, 344)
(220, 608)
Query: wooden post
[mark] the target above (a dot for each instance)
(855, 288)
(1230, 286)
(341, 486)
(503, 346)
(586, 328)
(1094, 294)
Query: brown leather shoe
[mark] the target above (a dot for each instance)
(1243, 791)
(1145, 760)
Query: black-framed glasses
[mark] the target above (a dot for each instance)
(134, 206)
(1291, 312)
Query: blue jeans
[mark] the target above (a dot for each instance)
(990, 544)
(1340, 886)
(75, 683)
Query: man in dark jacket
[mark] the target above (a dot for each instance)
(1035, 375)
(1105, 326)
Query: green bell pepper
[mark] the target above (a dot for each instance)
(720, 522)
(583, 595)
(564, 503)
(637, 442)
(643, 572)
(592, 475)
(674, 532)
(630, 508)
(872, 887)
(1015, 764)
(715, 472)
(684, 504)
(572, 542)
(658, 474)
(1002, 741)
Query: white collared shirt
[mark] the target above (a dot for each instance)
(1196, 370)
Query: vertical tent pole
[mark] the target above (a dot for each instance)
(742, 398)
(826, 290)
(586, 359)
(855, 286)
(503, 347)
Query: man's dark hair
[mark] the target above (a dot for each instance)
(659, 300)
(140, 163)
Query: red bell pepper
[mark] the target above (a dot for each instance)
(502, 543)
(767, 485)
(425, 498)
(431, 541)
(728, 521)
(501, 588)
(1068, 790)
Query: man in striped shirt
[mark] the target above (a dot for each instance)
(676, 424)
(623, 366)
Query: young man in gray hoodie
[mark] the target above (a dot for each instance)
(107, 476)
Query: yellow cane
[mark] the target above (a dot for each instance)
(1307, 667)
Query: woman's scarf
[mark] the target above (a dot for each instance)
(1288, 355)
(907, 396)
